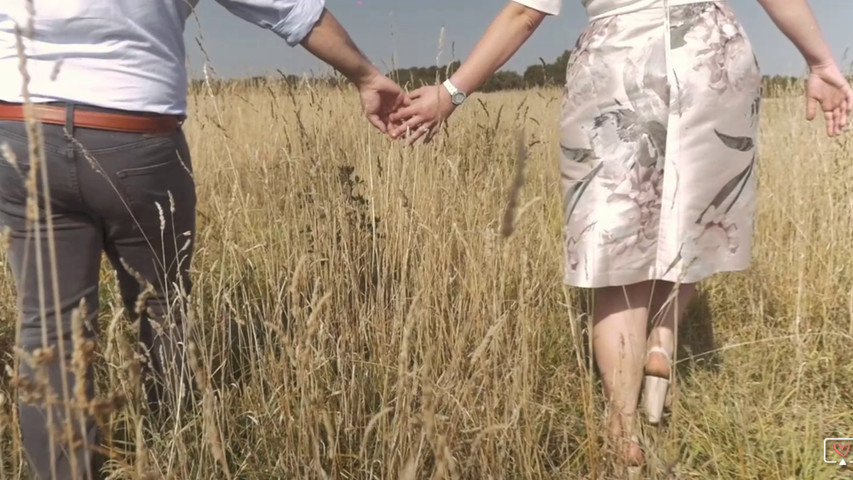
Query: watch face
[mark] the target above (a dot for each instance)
(458, 98)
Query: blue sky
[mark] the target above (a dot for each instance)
(408, 31)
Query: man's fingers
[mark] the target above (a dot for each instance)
(403, 100)
(377, 122)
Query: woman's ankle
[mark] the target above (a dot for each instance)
(659, 350)
(623, 440)
(657, 365)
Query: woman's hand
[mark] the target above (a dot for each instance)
(827, 86)
(429, 107)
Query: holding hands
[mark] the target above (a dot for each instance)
(413, 116)
(428, 107)
(423, 110)
(420, 113)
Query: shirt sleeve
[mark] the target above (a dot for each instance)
(292, 20)
(551, 7)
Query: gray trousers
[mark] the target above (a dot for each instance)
(131, 196)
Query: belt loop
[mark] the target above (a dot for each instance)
(69, 129)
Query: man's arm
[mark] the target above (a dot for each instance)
(310, 24)
(329, 42)
(380, 97)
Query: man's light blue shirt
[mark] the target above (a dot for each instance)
(123, 54)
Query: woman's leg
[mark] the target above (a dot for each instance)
(620, 317)
(668, 306)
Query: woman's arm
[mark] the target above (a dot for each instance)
(506, 34)
(796, 20)
(826, 85)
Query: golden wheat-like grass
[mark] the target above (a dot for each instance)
(366, 311)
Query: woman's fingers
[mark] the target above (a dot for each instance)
(827, 120)
(417, 119)
(406, 123)
(422, 130)
(417, 93)
(409, 125)
(811, 108)
(841, 107)
(839, 119)
(410, 107)
(405, 112)
(431, 133)
(413, 105)
(834, 94)
(849, 95)
(836, 122)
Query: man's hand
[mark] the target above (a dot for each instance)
(828, 87)
(380, 97)
(329, 42)
(429, 107)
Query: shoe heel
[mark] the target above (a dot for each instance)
(634, 473)
(654, 396)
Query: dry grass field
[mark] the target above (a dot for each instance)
(358, 312)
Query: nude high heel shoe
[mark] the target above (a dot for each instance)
(654, 389)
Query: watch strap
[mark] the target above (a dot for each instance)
(454, 92)
(451, 89)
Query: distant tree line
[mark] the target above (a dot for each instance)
(542, 74)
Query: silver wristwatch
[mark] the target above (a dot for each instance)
(456, 96)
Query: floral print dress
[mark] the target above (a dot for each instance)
(658, 126)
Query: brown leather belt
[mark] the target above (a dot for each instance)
(117, 122)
